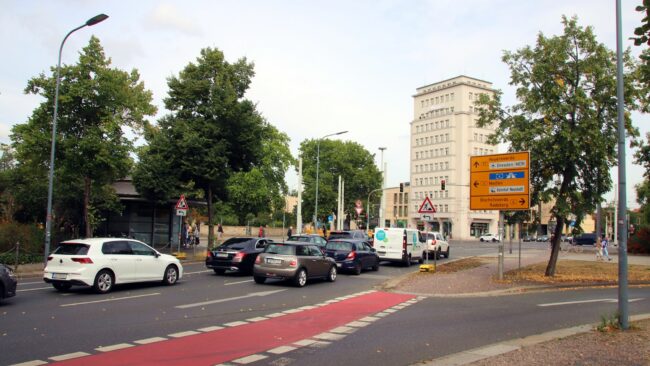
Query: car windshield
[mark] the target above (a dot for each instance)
(280, 249)
(236, 243)
(72, 249)
(339, 245)
(305, 239)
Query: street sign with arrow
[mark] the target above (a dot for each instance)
(500, 181)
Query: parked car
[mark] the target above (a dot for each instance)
(585, 239)
(8, 282)
(437, 245)
(399, 245)
(293, 261)
(348, 234)
(105, 262)
(235, 254)
(489, 237)
(542, 238)
(352, 255)
(528, 238)
(309, 238)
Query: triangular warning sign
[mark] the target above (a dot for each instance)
(427, 206)
(182, 204)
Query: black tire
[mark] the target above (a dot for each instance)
(259, 279)
(300, 280)
(62, 286)
(375, 267)
(437, 255)
(407, 263)
(331, 275)
(481, 239)
(494, 240)
(104, 281)
(421, 260)
(171, 275)
(219, 271)
(447, 252)
(357, 269)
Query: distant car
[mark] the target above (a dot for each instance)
(348, 234)
(436, 244)
(309, 238)
(352, 255)
(585, 239)
(104, 262)
(236, 254)
(8, 282)
(296, 262)
(528, 238)
(542, 238)
(488, 237)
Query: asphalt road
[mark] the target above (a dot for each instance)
(40, 322)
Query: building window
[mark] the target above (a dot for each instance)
(475, 136)
(395, 197)
(447, 123)
(446, 165)
(452, 96)
(406, 198)
(471, 96)
(395, 210)
(446, 151)
(446, 137)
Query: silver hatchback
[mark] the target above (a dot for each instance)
(297, 262)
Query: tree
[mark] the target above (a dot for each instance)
(348, 159)
(566, 117)
(96, 104)
(642, 155)
(212, 133)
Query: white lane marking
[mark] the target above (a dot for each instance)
(34, 289)
(197, 272)
(256, 319)
(210, 329)
(342, 330)
(264, 293)
(150, 340)
(292, 311)
(305, 342)
(236, 283)
(69, 356)
(183, 334)
(583, 302)
(235, 324)
(330, 336)
(113, 347)
(281, 350)
(31, 363)
(357, 324)
(112, 299)
(249, 359)
(275, 315)
(369, 319)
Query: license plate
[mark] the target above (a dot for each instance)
(338, 265)
(273, 261)
(59, 276)
(222, 255)
(381, 253)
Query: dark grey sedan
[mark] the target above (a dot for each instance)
(297, 262)
(8, 282)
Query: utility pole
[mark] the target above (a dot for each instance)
(299, 208)
(383, 187)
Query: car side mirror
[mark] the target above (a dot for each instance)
(156, 254)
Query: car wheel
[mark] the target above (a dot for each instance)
(301, 278)
(408, 262)
(437, 254)
(494, 240)
(375, 268)
(357, 269)
(331, 276)
(447, 252)
(103, 281)
(421, 259)
(481, 239)
(62, 286)
(259, 279)
(219, 271)
(171, 275)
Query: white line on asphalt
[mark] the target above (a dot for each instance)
(197, 272)
(69, 356)
(236, 283)
(112, 299)
(113, 347)
(584, 302)
(34, 289)
(183, 334)
(150, 340)
(263, 293)
(249, 359)
(31, 363)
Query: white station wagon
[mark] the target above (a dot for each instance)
(105, 262)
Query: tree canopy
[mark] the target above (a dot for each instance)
(566, 116)
(97, 104)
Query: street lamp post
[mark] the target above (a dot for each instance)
(48, 219)
(317, 168)
(368, 209)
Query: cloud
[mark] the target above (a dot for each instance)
(168, 17)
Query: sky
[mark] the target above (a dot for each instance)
(322, 66)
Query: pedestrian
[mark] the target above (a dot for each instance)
(188, 234)
(605, 243)
(325, 231)
(599, 250)
(197, 234)
(219, 232)
(290, 231)
(183, 234)
(261, 232)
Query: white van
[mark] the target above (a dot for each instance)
(399, 245)
(436, 244)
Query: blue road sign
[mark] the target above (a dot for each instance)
(507, 175)
(330, 218)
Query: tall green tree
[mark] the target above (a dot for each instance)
(566, 116)
(351, 161)
(97, 103)
(211, 133)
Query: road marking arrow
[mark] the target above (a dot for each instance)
(254, 294)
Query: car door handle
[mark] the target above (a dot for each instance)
(114, 259)
(138, 259)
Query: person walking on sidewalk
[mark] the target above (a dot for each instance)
(219, 232)
(599, 250)
(260, 233)
(290, 231)
(605, 243)
(197, 234)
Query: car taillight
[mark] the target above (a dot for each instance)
(351, 255)
(293, 263)
(209, 254)
(239, 257)
(258, 260)
(49, 258)
(85, 260)
(404, 243)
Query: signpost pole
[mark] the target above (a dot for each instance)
(501, 245)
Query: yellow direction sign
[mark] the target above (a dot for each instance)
(500, 181)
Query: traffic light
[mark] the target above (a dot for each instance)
(401, 187)
(442, 184)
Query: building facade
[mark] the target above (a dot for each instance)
(397, 205)
(443, 137)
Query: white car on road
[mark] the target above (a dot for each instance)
(104, 262)
(489, 237)
(436, 244)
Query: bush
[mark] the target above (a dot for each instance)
(640, 242)
(31, 239)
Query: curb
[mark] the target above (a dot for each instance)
(496, 349)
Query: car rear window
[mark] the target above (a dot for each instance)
(280, 249)
(339, 245)
(304, 239)
(340, 235)
(72, 249)
(237, 243)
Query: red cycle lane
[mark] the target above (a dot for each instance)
(228, 344)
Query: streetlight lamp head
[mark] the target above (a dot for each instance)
(96, 19)
(342, 132)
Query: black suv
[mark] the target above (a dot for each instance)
(236, 254)
(8, 282)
